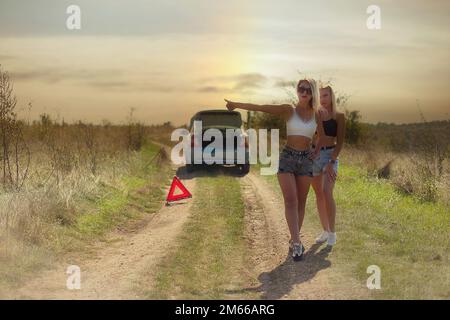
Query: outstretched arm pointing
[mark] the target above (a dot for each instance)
(276, 109)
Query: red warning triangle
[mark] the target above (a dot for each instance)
(171, 196)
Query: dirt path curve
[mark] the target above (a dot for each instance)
(279, 277)
(116, 268)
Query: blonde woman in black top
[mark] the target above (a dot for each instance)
(326, 165)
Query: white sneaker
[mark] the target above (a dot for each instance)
(331, 238)
(323, 237)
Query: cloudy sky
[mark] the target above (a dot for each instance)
(170, 58)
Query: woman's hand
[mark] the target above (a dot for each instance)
(331, 174)
(230, 105)
(314, 153)
(323, 113)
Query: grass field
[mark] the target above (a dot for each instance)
(96, 213)
(377, 225)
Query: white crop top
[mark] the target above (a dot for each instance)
(295, 126)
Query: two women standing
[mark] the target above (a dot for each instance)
(302, 164)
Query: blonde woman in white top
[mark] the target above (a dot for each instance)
(295, 167)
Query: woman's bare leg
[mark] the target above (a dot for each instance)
(303, 183)
(317, 184)
(289, 190)
(330, 204)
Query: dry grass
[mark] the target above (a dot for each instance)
(80, 180)
(410, 172)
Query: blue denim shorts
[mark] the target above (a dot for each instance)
(322, 160)
(296, 162)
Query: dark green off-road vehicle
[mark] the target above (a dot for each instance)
(209, 150)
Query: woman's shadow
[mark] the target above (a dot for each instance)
(282, 279)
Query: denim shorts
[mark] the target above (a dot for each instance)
(322, 160)
(296, 162)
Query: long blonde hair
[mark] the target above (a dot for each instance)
(314, 103)
(333, 100)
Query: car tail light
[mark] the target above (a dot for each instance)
(243, 141)
(193, 141)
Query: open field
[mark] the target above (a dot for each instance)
(228, 242)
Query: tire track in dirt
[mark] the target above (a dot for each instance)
(278, 276)
(115, 269)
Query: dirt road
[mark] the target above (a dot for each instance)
(115, 269)
(113, 272)
(267, 234)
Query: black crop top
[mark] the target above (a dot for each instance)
(330, 127)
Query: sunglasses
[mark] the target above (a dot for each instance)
(303, 90)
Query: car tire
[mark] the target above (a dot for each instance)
(190, 168)
(244, 168)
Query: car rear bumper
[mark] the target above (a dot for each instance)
(208, 158)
